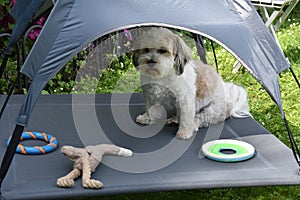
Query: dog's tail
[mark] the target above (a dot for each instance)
(239, 100)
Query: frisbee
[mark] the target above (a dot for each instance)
(228, 150)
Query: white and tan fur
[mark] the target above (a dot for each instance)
(190, 90)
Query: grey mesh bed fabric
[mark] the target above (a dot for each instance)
(34, 177)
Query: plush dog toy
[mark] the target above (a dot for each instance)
(86, 161)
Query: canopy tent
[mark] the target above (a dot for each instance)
(70, 28)
(73, 24)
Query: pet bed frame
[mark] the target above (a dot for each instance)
(34, 176)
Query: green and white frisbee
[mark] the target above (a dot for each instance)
(227, 150)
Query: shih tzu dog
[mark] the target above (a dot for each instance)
(188, 91)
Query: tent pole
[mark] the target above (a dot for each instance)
(215, 55)
(12, 86)
(6, 53)
(9, 93)
(3, 64)
(294, 75)
(293, 142)
(200, 47)
(10, 152)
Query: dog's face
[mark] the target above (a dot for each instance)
(160, 53)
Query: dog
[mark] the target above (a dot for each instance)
(188, 91)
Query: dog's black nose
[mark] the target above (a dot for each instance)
(151, 63)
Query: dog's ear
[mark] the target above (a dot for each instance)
(182, 55)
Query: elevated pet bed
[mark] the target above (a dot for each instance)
(34, 176)
(72, 25)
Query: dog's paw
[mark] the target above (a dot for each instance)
(184, 134)
(172, 120)
(202, 124)
(201, 121)
(143, 119)
(65, 182)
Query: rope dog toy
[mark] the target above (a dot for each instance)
(36, 150)
(85, 161)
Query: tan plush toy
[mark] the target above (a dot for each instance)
(86, 161)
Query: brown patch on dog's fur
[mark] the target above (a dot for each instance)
(205, 81)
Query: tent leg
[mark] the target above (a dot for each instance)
(10, 152)
(215, 55)
(200, 47)
(293, 143)
(6, 53)
(295, 77)
(10, 91)
(3, 64)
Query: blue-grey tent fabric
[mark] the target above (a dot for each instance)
(73, 24)
(34, 176)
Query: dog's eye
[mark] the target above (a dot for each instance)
(162, 51)
(146, 50)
